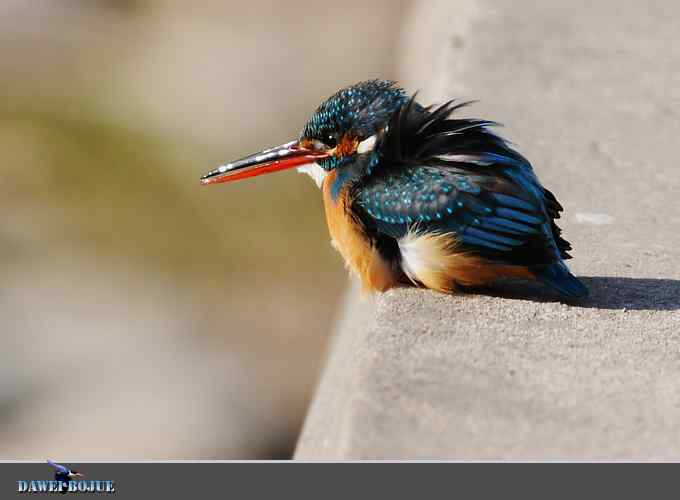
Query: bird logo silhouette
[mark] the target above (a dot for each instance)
(63, 475)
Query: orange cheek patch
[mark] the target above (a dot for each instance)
(347, 145)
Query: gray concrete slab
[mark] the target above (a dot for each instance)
(590, 92)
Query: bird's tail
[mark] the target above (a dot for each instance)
(558, 276)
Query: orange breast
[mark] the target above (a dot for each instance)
(350, 239)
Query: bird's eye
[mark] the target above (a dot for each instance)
(330, 141)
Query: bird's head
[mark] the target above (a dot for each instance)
(74, 474)
(341, 134)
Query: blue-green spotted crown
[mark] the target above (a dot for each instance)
(361, 110)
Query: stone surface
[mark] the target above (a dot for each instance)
(590, 92)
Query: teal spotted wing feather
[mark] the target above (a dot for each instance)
(485, 213)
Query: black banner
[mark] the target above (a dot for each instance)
(349, 480)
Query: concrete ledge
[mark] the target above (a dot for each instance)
(589, 92)
(483, 376)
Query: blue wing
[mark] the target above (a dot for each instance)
(498, 212)
(59, 468)
(445, 175)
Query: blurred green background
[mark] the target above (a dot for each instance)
(142, 315)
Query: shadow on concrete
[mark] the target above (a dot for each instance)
(652, 294)
(635, 294)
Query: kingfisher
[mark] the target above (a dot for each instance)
(415, 195)
(63, 475)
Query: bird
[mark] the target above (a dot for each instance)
(63, 475)
(416, 195)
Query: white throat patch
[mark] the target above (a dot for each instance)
(315, 172)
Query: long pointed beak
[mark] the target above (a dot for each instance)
(282, 157)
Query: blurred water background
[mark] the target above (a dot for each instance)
(142, 315)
